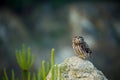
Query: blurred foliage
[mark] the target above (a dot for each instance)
(25, 63)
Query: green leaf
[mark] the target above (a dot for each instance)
(5, 74)
(52, 57)
(52, 73)
(39, 74)
(34, 76)
(29, 56)
(23, 57)
(43, 70)
(13, 75)
(18, 58)
(47, 68)
(52, 62)
(32, 60)
(60, 72)
(56, 68)
(28, 75)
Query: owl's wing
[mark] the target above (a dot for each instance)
(86, 48)
(78, 50)
(81, 52)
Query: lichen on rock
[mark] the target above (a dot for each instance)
(75, 68)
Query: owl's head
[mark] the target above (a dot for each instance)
(78, 39)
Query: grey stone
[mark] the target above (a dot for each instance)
(75, 68)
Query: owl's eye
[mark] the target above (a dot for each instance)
(81, 40)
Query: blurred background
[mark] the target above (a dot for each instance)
(43, 25)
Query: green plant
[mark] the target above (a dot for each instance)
(5, 75)
(43, 70)
(25, 60)
(34, 76)
(52, 62)
(13, 75)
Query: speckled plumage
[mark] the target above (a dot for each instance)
(80, 47)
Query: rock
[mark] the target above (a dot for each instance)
(75, 68)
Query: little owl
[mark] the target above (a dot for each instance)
(81, 47)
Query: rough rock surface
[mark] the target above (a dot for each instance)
(75, 68)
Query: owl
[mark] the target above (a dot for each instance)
(81, 47)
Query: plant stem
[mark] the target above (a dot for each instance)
(52, 62)
(13, 75)
(5, 74)
(43, 69)
(25, 74)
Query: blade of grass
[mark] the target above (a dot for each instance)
(21, 60)
(17, 57)
(23, 56)
(32, 60)
(56, 68)
(60, 72)
(29, 56)
(52, 73)
(28, 76)
(5, 74)
(34, 76)
(39, 74)
(52, 62)
(43, 70)
(52, 57)
(13, 75)
(47, 68)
